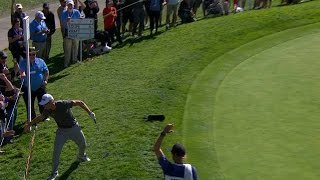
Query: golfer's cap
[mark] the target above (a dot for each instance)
(45, 99)
(3, 55)
(45, 5)
(40, 15)
(19, 6)
(70, 2)
(178, 150)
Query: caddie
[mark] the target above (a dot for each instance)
(68, 127)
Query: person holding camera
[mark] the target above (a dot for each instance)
(91, 10)
(38, 34)
(68, 127)
(16, 43)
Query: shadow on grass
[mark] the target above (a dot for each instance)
(56, 63)
(67, 173)
(132, 41)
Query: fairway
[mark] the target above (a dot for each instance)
(256, 117)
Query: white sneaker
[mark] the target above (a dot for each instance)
(53, 176)
(48, 119)
(84, 158)
(106, 49)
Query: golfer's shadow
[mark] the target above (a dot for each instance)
(67, 173)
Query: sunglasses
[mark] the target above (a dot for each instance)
(32, 54)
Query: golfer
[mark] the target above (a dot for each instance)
(68, 127)
(177, 170)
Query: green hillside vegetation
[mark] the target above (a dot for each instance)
(146, 76)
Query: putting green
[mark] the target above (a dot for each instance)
(253, 113)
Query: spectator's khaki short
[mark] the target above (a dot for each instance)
(172, 8)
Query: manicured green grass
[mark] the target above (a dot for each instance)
(202, 101)
(264, 120)
(146, 76)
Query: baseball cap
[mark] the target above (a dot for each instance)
(45, 5)
(40, 15)
(178, 150)
(3, 55)
(32, 49)
(70, 2)
(45, 99)
(19, 6)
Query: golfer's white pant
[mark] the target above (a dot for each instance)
(62, 136)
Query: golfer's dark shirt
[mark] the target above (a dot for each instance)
(62, 114)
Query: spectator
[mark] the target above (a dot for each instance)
(3, 131)
(110, 15)
(176, 170)
(154, 15)
(16, 12)
(117, 5)
(195, 6)
(16, 44)
(71, 46)
(185, 12)
(91, 10)
(68, 127)
(10, 93)
(138, 17)
(61, 8)
(147, 10)
(51, 24)
(172, 9)
(38, 34)
(79, 5)
(127, 16)
(39, 75)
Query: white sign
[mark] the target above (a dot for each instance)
(81, 29)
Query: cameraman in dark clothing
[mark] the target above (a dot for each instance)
(50, 22)
(91, 10)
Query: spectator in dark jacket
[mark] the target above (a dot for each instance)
(91, 10)
(16, 45)
(50, 22)
(185, 12)
(16, 12)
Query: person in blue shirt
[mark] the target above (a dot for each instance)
(155, 7)
(70, 45)
(39, 74)
(38, 34)
(177, 170)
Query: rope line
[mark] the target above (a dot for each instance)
(11, 115)
(30, 155)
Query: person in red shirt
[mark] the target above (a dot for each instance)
(110, 14)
